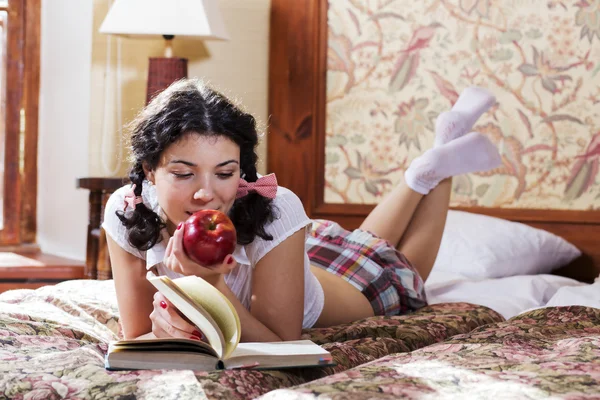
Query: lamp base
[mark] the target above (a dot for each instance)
(162, 72)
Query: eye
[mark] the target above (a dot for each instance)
(181, 176)
(225, 175)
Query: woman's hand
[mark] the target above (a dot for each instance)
(176, 260)
(168, 322)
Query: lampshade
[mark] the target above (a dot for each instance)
(155, 18)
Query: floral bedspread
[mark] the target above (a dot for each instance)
(53, 341)
(551, 353)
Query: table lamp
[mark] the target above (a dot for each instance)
(166, 19)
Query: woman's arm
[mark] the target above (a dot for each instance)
(277, 301)
(134, 292)
(252, 329)
(278, 291)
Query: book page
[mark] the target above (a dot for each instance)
(184, 303)
(171, 359)
(278, 354)
(217, 305)
(162, 345)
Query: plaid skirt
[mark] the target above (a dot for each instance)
(371, 264)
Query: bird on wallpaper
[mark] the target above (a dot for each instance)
(406, 65)
(584, 170)
(445, 87)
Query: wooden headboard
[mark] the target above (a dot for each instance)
(296, 136)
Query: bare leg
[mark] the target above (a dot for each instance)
(412, 222)
(389, 219)
(421, 239)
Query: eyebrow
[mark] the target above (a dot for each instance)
(227, 162)
(190, 164)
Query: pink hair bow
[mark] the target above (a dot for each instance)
(266, 186)
(131, 200)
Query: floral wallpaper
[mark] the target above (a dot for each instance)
(394, 65)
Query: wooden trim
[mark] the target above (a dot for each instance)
(22, 93)
(6, 286)
(513, 214)
(101, 184)
(33, 270)
(10, 234)
(290, 142)
(31, 105)
(320, 103)
(39, 267)
(25, 248)
(51, 272)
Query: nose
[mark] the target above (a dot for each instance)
(204, 194)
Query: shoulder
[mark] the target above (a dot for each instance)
(286, 200)
(288, 211)
(289, 217)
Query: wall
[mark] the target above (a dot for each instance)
(393, 69)
(238, 67)
(62, 213)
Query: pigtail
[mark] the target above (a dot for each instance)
(252, 212)
(143, 225)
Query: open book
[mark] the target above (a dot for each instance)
(208, 309)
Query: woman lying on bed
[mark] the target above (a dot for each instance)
(193, 149)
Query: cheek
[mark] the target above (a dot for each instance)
(170, 199)
(228, 195)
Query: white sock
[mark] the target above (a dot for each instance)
(471, 104)
(472, 152)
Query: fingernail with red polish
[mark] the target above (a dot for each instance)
(193, 337)
(163, 305)
(180, 225)
(197, 333)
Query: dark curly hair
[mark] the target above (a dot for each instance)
(186, 106)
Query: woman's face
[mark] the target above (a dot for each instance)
(195, 173)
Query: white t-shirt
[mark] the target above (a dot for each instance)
(290, 218)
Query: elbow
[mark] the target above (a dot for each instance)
(290, 336)
(278, 336)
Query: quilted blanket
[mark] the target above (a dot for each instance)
(53, 341)
(551, 353)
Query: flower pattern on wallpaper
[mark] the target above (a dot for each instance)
(394, 65)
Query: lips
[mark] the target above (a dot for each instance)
(192, 212)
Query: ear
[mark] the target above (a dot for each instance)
(148, 172)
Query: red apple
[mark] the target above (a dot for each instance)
(208, 236)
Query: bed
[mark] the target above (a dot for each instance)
(53, 339)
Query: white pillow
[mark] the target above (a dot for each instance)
(480, 247)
